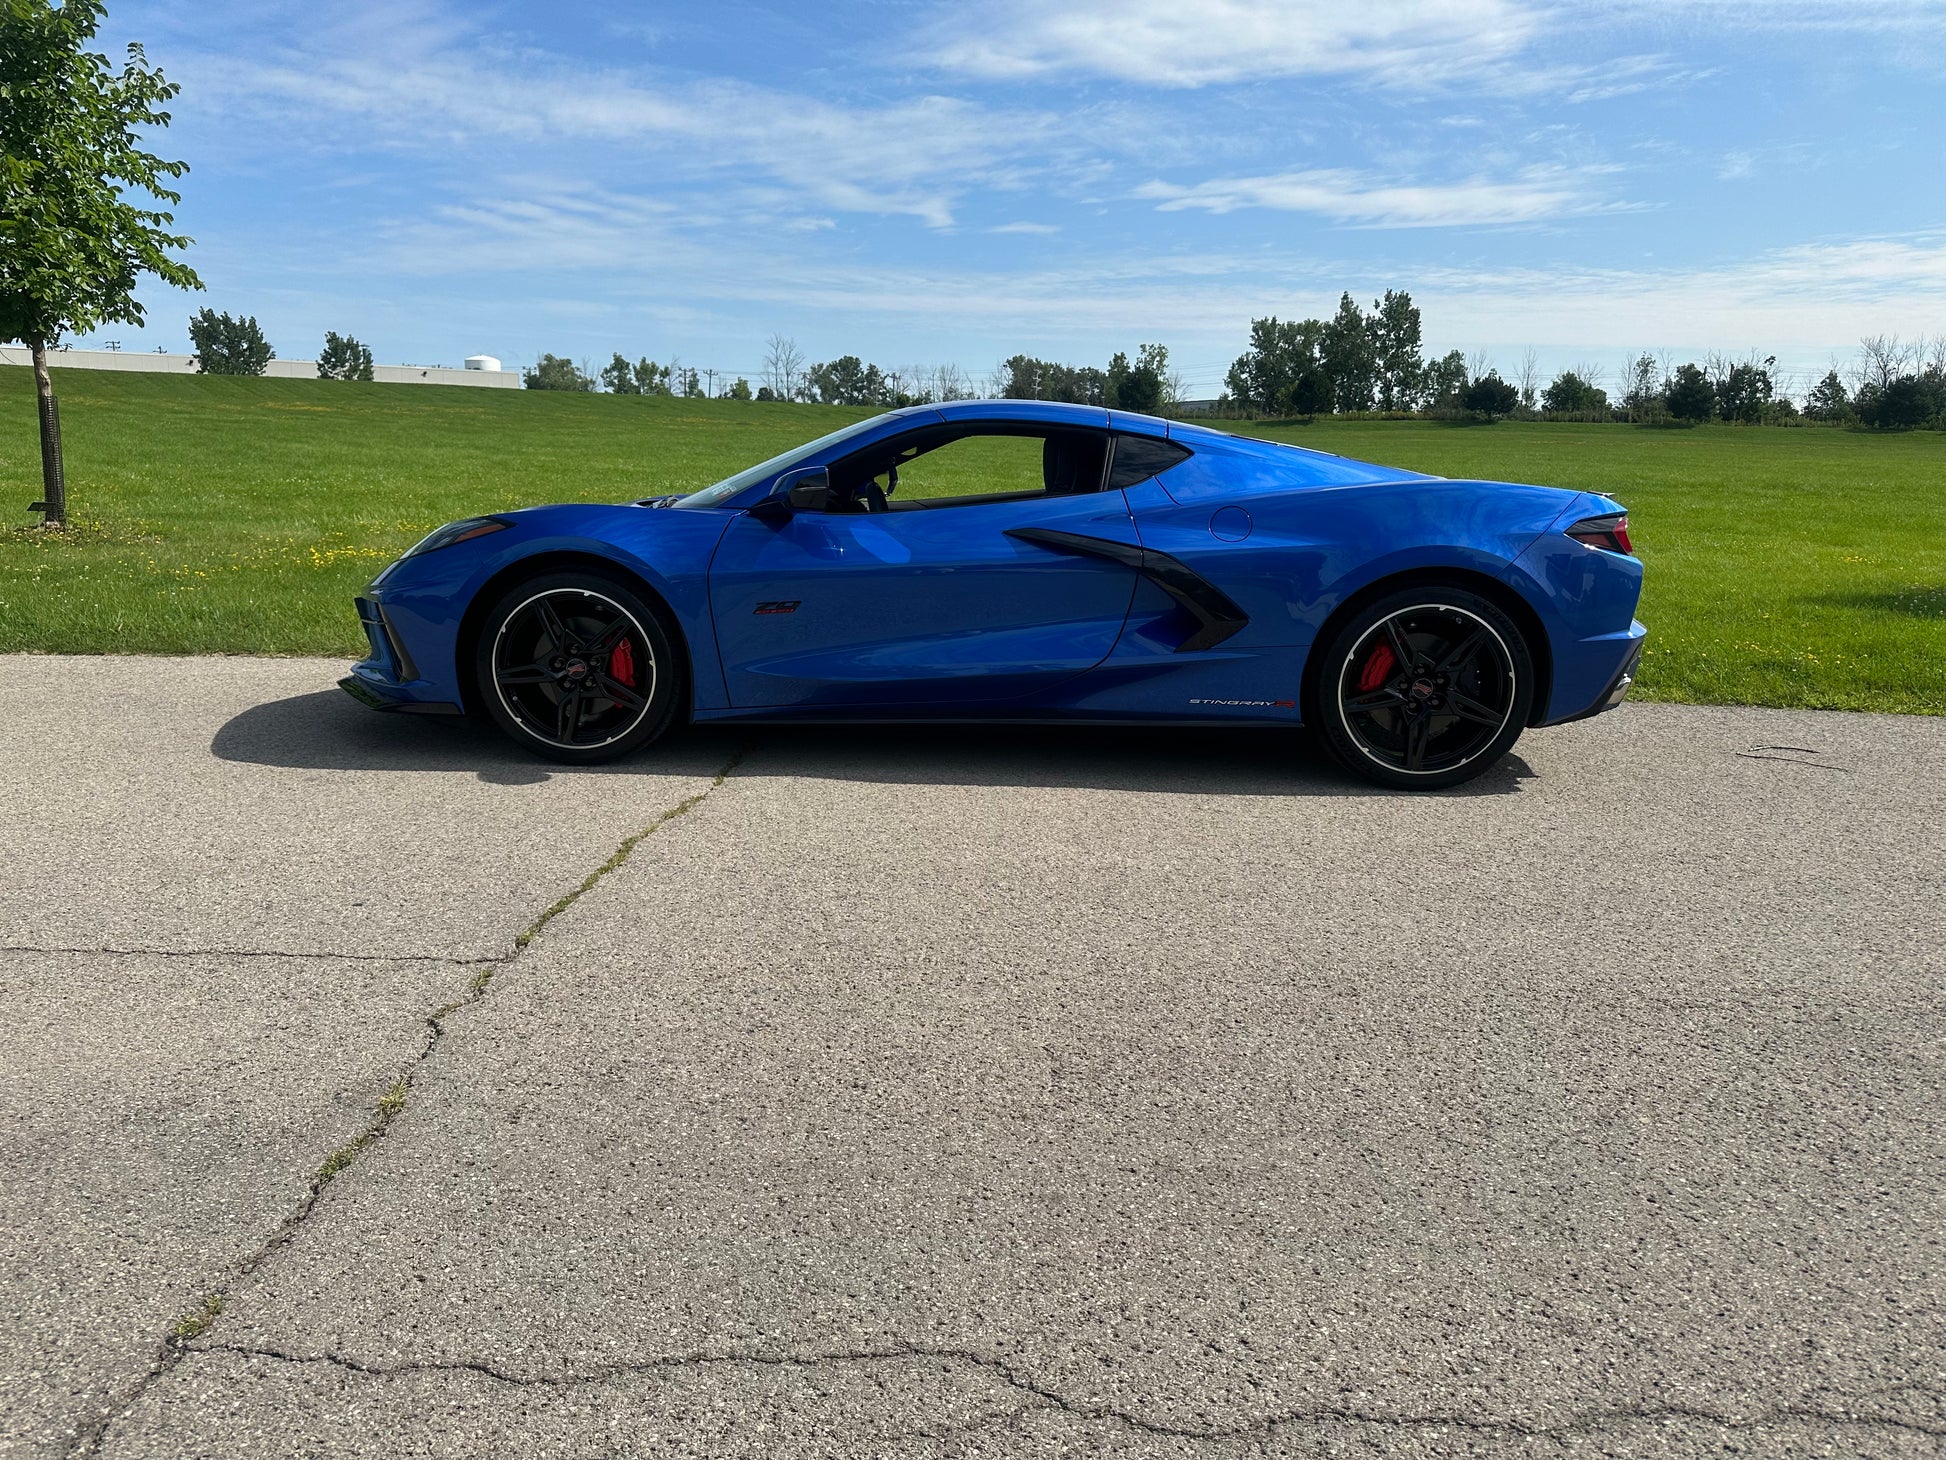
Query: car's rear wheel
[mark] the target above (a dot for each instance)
(1424, 688)
(577, 666)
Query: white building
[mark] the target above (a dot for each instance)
(480, 369)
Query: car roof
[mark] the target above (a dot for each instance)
(1051, 413)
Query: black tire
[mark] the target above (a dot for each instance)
(578, 667)
(1423, 689)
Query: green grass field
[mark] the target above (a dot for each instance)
(1785, 567)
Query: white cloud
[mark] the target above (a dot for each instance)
(1493, 45)
(426, 89)
(1810, 296)
(1025, 228)
(1356, 198)
(1177, 43)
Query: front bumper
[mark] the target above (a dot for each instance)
(389, 679)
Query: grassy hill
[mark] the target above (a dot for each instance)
(1787, 567)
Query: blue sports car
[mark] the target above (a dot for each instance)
(1024, 561)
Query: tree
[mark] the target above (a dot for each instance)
(1348, 358)
(555, 372)
(1530, 380)
(1882, 359)
(688, 381)
(1899, 405)
(342, 358)
(74, 238)
(1280, 351)
(1688, 394)
(1309, 394)
(1491, 397)
(653, 379)
(644, 377)
(1022, 377)
(1642, 390)
(226, 346)
(1137, 387)
(1570, 395)
(1446, 383)
(1400, 372)
(618, 376)
(739, 391)
(783, 368)
(949, 382)
(1746, 391)
(849, 381)
(1932, 389)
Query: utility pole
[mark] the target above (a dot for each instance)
(710, 377)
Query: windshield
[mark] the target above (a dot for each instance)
(750, 476)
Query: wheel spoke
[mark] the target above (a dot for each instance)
(525, 674)
(1468, 708)
(620, 693)
(567, 716)
(1462, 654)
(611, 636)
(551, 625)
(1408, 660)
(1416, 735)
(1381, 699)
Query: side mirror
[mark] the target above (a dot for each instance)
(800, 491)
(810, 492)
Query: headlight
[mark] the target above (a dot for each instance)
(464, 530)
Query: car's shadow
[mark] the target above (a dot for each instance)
(328, 731)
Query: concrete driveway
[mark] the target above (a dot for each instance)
(925, 1093)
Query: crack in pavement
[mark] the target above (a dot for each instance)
(1587, 1422)
(1793, 756)
(89, 1438)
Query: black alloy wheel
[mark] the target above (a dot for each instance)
(577, 667)
(1425, 688)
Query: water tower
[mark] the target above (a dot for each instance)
(482, 362)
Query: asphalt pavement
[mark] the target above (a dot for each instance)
(915, 1092)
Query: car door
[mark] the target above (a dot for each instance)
(938, 602)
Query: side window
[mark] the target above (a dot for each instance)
(961, 467)
(973, 466)
(1137, 458)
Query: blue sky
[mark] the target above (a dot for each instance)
(920, 183)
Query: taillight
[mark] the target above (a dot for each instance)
(1609, 532)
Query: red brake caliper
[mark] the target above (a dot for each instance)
(621, 664)
(1377, 669)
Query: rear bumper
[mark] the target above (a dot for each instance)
(1614, 659)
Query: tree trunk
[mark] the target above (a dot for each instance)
(54, 501)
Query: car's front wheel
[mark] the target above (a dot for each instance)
(578, 667)
(1425, 688)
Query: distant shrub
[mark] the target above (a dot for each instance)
(1828, 400)
(1688, 394)
(1570, 395)
(556, 372)
(1745, 393)
(226, 346)
(1308, 395)
(343, 358)
(1491, 398)
(1898, 405)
